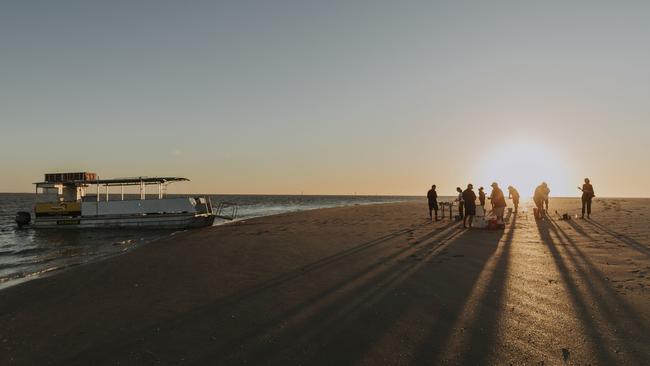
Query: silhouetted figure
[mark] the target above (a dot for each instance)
(498, 201)
(587, 195)
(432, 196)
(469, 198)
(481, 197)
(546, 191)
(538, 198)
(513, 194)
(461, 205)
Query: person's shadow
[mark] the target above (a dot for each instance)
(594, 301)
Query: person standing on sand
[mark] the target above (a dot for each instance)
(513, 194)
(469, 198)
(432, 197)
(481, 197)
(538, 198)
(587, 195)
(498, 201)
(547, 192)
(461, 208)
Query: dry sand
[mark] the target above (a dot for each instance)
(357, 285)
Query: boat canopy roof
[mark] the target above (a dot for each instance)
(119, 181)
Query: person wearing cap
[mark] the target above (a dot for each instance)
(432, 197)
(469, 198)
(587, 195)
(513, 194)
(498, 201)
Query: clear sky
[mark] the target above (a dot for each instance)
(328, 97)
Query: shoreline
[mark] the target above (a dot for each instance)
(367, 284)
(52, 271)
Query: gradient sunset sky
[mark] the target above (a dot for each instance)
(328, 97)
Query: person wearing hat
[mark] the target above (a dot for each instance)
(587, 195)
(469, 198)
(498, 201)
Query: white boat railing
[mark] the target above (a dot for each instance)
(227, 211)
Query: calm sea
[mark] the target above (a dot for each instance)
(28, 253)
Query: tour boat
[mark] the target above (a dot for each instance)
(62, 202)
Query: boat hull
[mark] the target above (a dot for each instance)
(162, 221)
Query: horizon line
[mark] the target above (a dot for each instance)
(333, 194)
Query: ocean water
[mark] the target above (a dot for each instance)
(27, 253)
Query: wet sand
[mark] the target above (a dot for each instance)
(373, 285)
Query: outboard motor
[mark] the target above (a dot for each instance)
(23, 218)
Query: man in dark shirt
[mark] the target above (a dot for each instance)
(587, 195)
(461, 205)
(469, 199)
(432, 196)
(481, 196)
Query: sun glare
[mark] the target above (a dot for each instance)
(525, 165)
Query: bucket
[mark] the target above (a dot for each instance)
(480, 222)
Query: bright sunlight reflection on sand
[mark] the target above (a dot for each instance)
(525, 165)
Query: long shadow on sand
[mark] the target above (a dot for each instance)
(601, 287)
(341, 331)
(387, 307)
(482, 334)
(204, 322)
(372, 275)
(636, 245)
(610, 311)
(420, 291)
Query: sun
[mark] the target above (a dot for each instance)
(524, 165)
